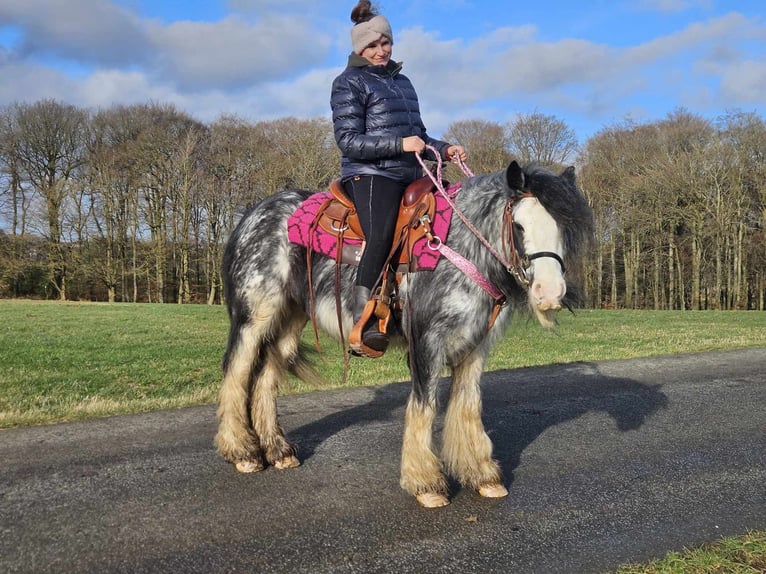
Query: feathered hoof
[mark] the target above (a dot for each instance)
(287, 462)
(493, 491)
(248, 466)
(432, 500)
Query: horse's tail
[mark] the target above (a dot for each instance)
(301, 367)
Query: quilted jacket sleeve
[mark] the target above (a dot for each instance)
(441, 147)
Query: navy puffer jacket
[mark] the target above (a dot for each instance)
(373, 108)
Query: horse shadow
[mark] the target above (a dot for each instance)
(521, 405)
(518, 406)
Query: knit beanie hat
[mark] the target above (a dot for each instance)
(365, 33)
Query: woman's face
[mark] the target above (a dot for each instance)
(379, 52)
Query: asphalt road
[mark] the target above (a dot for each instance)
(605, 462)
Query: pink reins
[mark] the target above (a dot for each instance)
(516, 269)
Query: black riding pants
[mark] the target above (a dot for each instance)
(377, 201)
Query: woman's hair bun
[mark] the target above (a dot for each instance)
(362, 12)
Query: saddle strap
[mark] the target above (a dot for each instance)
(403, 242)
(338, 304)
(338, 258)
(309, 272)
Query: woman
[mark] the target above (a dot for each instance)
(377, 125)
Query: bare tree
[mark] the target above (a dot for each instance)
(160, 149)
(14, 203)
(541, 138)
(141, 199)
(611, 176)
(744, 136)
(114, 178)
(230, 182)
(295, 153)
(185, 201)
(51, 150)
(484, 141)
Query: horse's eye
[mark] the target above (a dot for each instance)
(518, 228)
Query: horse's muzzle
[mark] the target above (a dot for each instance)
(549, 306)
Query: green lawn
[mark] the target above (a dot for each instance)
(732, 555)
(65, 361)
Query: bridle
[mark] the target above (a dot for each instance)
(515, 263)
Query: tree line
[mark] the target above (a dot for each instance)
(134, 203)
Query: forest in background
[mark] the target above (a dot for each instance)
(134, 203)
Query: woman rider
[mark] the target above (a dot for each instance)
(377, 125)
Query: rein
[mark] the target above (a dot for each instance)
(517, 265)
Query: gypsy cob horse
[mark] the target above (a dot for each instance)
(536, 217)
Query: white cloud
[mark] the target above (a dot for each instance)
(744, 83)
(581, 77)
(729, 28)
(104, 88)
(26, 83)
(308, 96)
(233, 53)
(261, 5)
(666, 6)
(461, 73)
(274, 59)
(93, 31)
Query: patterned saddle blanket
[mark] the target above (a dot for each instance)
(335, 227)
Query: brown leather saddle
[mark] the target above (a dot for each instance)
(338, 217)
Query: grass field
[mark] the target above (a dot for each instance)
(731, 555)
(67, 361)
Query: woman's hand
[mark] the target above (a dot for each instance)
(456, 151)
(413, 143)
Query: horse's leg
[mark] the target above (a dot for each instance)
(279, 452)
(466, 449)
(235, 439)
(421, 473)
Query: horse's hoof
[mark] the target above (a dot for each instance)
(287, 462)
(432, 500)
(248, 466)
(493, 491)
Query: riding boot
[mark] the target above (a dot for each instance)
(372, 337)
(361, 296)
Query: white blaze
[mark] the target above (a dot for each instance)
(541, 233)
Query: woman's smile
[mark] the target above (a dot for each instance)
(378, 53)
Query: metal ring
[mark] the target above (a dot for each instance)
(435, 243)
(338, 229)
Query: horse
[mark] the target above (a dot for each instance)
(448, 320)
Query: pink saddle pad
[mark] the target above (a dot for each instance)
(300, 221)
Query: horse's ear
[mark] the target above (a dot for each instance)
(515, 176)
(569, 175)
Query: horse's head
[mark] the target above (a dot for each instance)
(550, 219)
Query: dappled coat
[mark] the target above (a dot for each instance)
(373, 108)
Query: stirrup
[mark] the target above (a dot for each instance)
(356, 341)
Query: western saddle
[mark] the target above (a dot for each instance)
(338, 217)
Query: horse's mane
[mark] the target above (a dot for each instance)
(485, 197)
(566, 203)
(558, 194)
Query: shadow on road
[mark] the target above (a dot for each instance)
(519, 405)
(517, 413)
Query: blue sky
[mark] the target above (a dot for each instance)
(591, 64)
